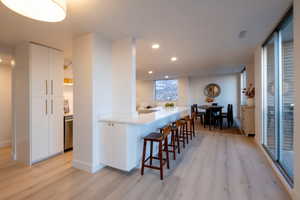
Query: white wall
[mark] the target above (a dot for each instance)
(144, 93)
(230, 90)
(5, 105)
(183, 92)
(250, 74)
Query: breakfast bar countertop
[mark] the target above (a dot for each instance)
(144, 117)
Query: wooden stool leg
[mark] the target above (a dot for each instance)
(178, 142)
(186, 133)
(194, 129)
(167, 152)
(182, 135)
(173, 145)
(151, 152)
(191, 130)
(143, 159)
(160, 160)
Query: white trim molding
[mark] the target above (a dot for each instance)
(87, 166)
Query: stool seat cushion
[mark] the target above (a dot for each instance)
(154, 136)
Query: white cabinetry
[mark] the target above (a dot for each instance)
(119, 145)
(38, 80)
(247, 120)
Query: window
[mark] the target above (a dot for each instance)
(166, 90)
(243, 79)
(279, 96)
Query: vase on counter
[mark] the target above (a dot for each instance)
(250, 102)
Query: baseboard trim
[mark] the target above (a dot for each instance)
(285, 184)
(87, 166)
(5, 143)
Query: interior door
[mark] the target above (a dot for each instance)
(39, 64)
(56, 72)
(56, 125)
(39, 128)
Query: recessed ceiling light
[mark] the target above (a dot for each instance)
(166, 77)
(150, 72)
(13, 63)
(173, 59)
(42, 10)
(155, 46)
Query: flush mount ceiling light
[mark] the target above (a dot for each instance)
(150, 72)
(166, 77)
(155, 46)
(173, 59)
(42, 10)
(242, 34)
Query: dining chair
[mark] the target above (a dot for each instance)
(228, 115)
(199, 114)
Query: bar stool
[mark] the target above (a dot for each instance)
(190, 125)
(175, 140)
(162, 140)
(182, 137)
(184, 133)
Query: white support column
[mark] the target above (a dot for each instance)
(104, 84)
(92, 97)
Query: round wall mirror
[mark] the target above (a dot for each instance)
(212, 90)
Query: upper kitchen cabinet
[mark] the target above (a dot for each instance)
(39, 68)
(56, 73)
(47, 73)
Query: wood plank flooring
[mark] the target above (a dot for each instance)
(214, 167)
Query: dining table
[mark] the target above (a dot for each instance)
(213, 109)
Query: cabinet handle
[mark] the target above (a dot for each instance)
(52, 87)
(52, 106)
(46, 87)
(46, 110)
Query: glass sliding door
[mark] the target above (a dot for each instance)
(279, 96)
(287, 97)
(270, 137)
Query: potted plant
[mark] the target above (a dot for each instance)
(250, 94)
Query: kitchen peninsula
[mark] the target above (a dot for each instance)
(121, 136)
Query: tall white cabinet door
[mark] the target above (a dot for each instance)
(56, 72)
(39, 128)
(39, 68)
(56, 125)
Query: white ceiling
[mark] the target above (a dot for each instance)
(203, 34)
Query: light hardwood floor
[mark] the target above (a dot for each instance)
(214, 167)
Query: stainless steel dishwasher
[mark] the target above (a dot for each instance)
(68, 133)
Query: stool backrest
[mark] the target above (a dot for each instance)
(166, 131)
(187, 117)
(178, 123)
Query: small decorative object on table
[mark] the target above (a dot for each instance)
(209, 99)
(169, 105)
(250, 94)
